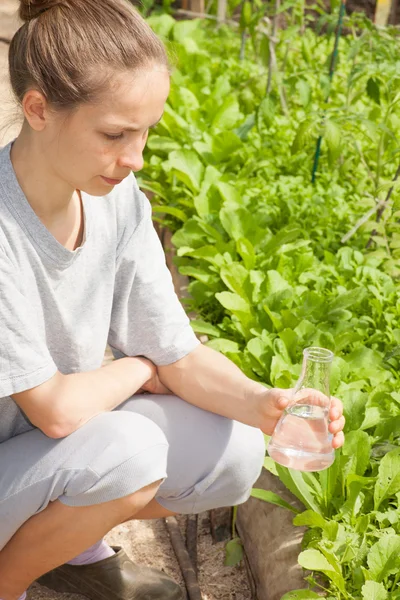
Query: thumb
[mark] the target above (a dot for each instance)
(281, 398)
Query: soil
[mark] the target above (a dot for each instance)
(146, 542)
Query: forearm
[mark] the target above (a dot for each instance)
(211, 381)
(82, 396)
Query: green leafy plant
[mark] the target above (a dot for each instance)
(277, 264)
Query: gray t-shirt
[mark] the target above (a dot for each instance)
(59, 308)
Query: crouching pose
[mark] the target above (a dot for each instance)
(169, 427)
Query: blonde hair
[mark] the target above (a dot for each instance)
(69, 49)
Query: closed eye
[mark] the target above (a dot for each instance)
(117, 136)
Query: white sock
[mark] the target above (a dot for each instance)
(97, 552)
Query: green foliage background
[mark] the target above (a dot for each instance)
(230, 169)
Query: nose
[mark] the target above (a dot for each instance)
(132, 157)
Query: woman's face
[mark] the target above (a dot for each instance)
(98, 145)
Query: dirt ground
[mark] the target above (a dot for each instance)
(146, 542)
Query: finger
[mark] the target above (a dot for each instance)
(338, 440)
(338, 425)
(312, 397)
(283, 401)
(336, 410)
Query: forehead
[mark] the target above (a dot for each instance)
(135, 98)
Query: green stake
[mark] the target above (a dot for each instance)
(331, 71)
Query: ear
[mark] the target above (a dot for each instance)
(36, 109)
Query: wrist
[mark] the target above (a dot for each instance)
(255, 396)
(144, 368)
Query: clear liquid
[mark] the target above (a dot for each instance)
(301, 439)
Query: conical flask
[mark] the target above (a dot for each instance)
(301, 439)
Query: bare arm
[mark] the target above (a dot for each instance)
(66, 402)
(211, 381)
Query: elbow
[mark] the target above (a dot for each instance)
(56, 432)
(53, 428)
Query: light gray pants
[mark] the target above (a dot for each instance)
(207, 461)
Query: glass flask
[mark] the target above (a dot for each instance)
(301, 439)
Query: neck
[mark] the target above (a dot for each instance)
(45, 191)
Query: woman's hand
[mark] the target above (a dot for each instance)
(276, 400)
(153, 385)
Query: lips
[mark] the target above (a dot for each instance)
(111, 181)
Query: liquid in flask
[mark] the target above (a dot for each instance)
(301, 439)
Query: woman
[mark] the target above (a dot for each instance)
(171, 426)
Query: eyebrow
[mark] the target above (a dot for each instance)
(135, 129)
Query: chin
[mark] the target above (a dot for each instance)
(95, 189)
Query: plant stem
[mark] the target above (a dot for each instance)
(242, 45)
(272, 42)
(396, 579)
(331, 72)
(234, 517)
(383, 206)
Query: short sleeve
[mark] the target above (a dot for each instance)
(147, 317)
(25, 361)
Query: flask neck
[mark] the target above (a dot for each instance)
(316, 371)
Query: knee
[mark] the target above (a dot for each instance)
(120, 436)
(244, 459)
(114, 455)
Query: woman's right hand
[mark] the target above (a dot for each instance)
(153, 385)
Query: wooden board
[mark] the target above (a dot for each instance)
(271, 542)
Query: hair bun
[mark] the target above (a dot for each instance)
(31, 9)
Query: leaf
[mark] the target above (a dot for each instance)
(235, 220)
(246, 251)
(264, 50)
(384, 557)
(357, 449)
(372, 590)
(203, 327)
(328, 479)
(230, 195)
(272, 498)
(234, 276)
(185, 29)
(245, 17)
(348, 299)
(243, 130)
(310, 518)
(303, 136)
(223, 345)
(159, 143)
(225, 144)
(373, 90)
(170, 210)
(314, 560)
(332, 135)
(228, 114)
(188, 168)
(233, 552)
(266, 112)
(233, 302)
(295, 483)
(304, 91)
(354, 403)
(270, 465)
(388, 482)
(161, 24)
(300, 595)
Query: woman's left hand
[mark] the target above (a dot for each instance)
(276, 400)
(154, 386)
